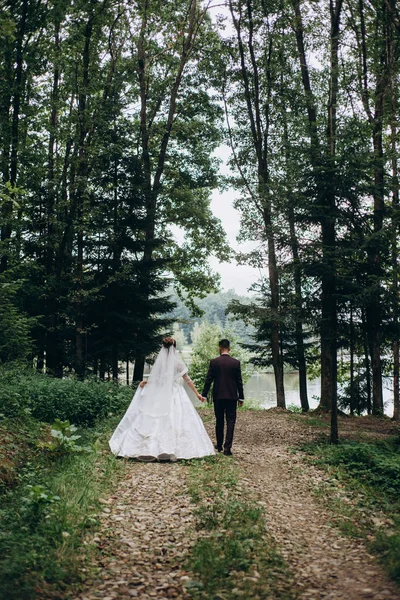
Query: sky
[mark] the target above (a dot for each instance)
(233, 276)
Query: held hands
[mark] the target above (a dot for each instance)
(142, 384)
(200, 397)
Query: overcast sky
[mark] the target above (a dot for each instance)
(233, 276)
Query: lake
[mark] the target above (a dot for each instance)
(261, 389)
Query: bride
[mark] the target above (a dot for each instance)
(161, 422)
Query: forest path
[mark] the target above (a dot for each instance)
(324, 563)
(147, 525)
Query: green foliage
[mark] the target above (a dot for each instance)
(387, 547)
(376, 465)
(213, 309)
(295, 409)
(82, 229)
(48, 398)
(15, 327)
(44, 518)
(205, 339)
(37, 504)
(371, 470)
(18, 446)
(259, 314)
(64, 439)
(179, 337)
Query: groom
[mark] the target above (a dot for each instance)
(225, 372)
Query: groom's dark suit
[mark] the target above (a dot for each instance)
(225, 372)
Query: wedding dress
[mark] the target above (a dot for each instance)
(161, 421)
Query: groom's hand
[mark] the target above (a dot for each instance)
(240, 403)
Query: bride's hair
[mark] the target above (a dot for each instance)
(168, 342)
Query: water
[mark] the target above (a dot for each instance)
(261, 390)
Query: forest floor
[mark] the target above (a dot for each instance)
(150, 526)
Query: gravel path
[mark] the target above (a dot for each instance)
(325, 564)
(147, 525)
(143, 537)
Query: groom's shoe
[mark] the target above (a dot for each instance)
(218, 448)
(228, 453)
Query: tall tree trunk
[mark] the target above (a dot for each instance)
(115, 362)
(329, 309)
(53, 355)
(277, 360)
(299, 313)
(80, 191)
(102, 369)
(393, 74)
(260, 138)
(153, 173)
(374, 317)
(352, 390)
(327, 201)
(366, 360)
(294, 244)
(373, 308)
(127, 371)
(138, 369)
(7, 210)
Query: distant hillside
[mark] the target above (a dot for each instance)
(214, 307)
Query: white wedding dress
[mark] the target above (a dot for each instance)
(161, 421)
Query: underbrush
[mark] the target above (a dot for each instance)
(369, 472)
(52, 500)
(55, 465)
(47, 398)
(234, 553)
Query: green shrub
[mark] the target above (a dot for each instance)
(48, 399)
(376, 465)
(205, 339)
(44, 518)
(63, 440)
(15, 326)
(388, 548)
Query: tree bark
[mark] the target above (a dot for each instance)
(393, 74)
(352, 407)
(374, 251)
(153, 173)
(294, 244)
(80, 192)
(53, 354)
(329, 234)
(17, 94)
(260, 136)
(138, 369)
(366, 361)
(327, 201)
(299, 316)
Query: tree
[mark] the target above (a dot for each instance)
(205, 339)
(15, 327)
(80, 224)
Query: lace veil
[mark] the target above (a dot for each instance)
(157, 395)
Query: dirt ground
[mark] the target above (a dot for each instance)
(145, 532)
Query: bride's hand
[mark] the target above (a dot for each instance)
(200, 397)
(142, 384)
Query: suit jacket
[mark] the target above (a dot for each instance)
(225, 372)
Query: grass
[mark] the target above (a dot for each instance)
(47, 510)
(234, 555)
(362, 488)
(309, 419)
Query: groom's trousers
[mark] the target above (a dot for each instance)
(222, 409)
